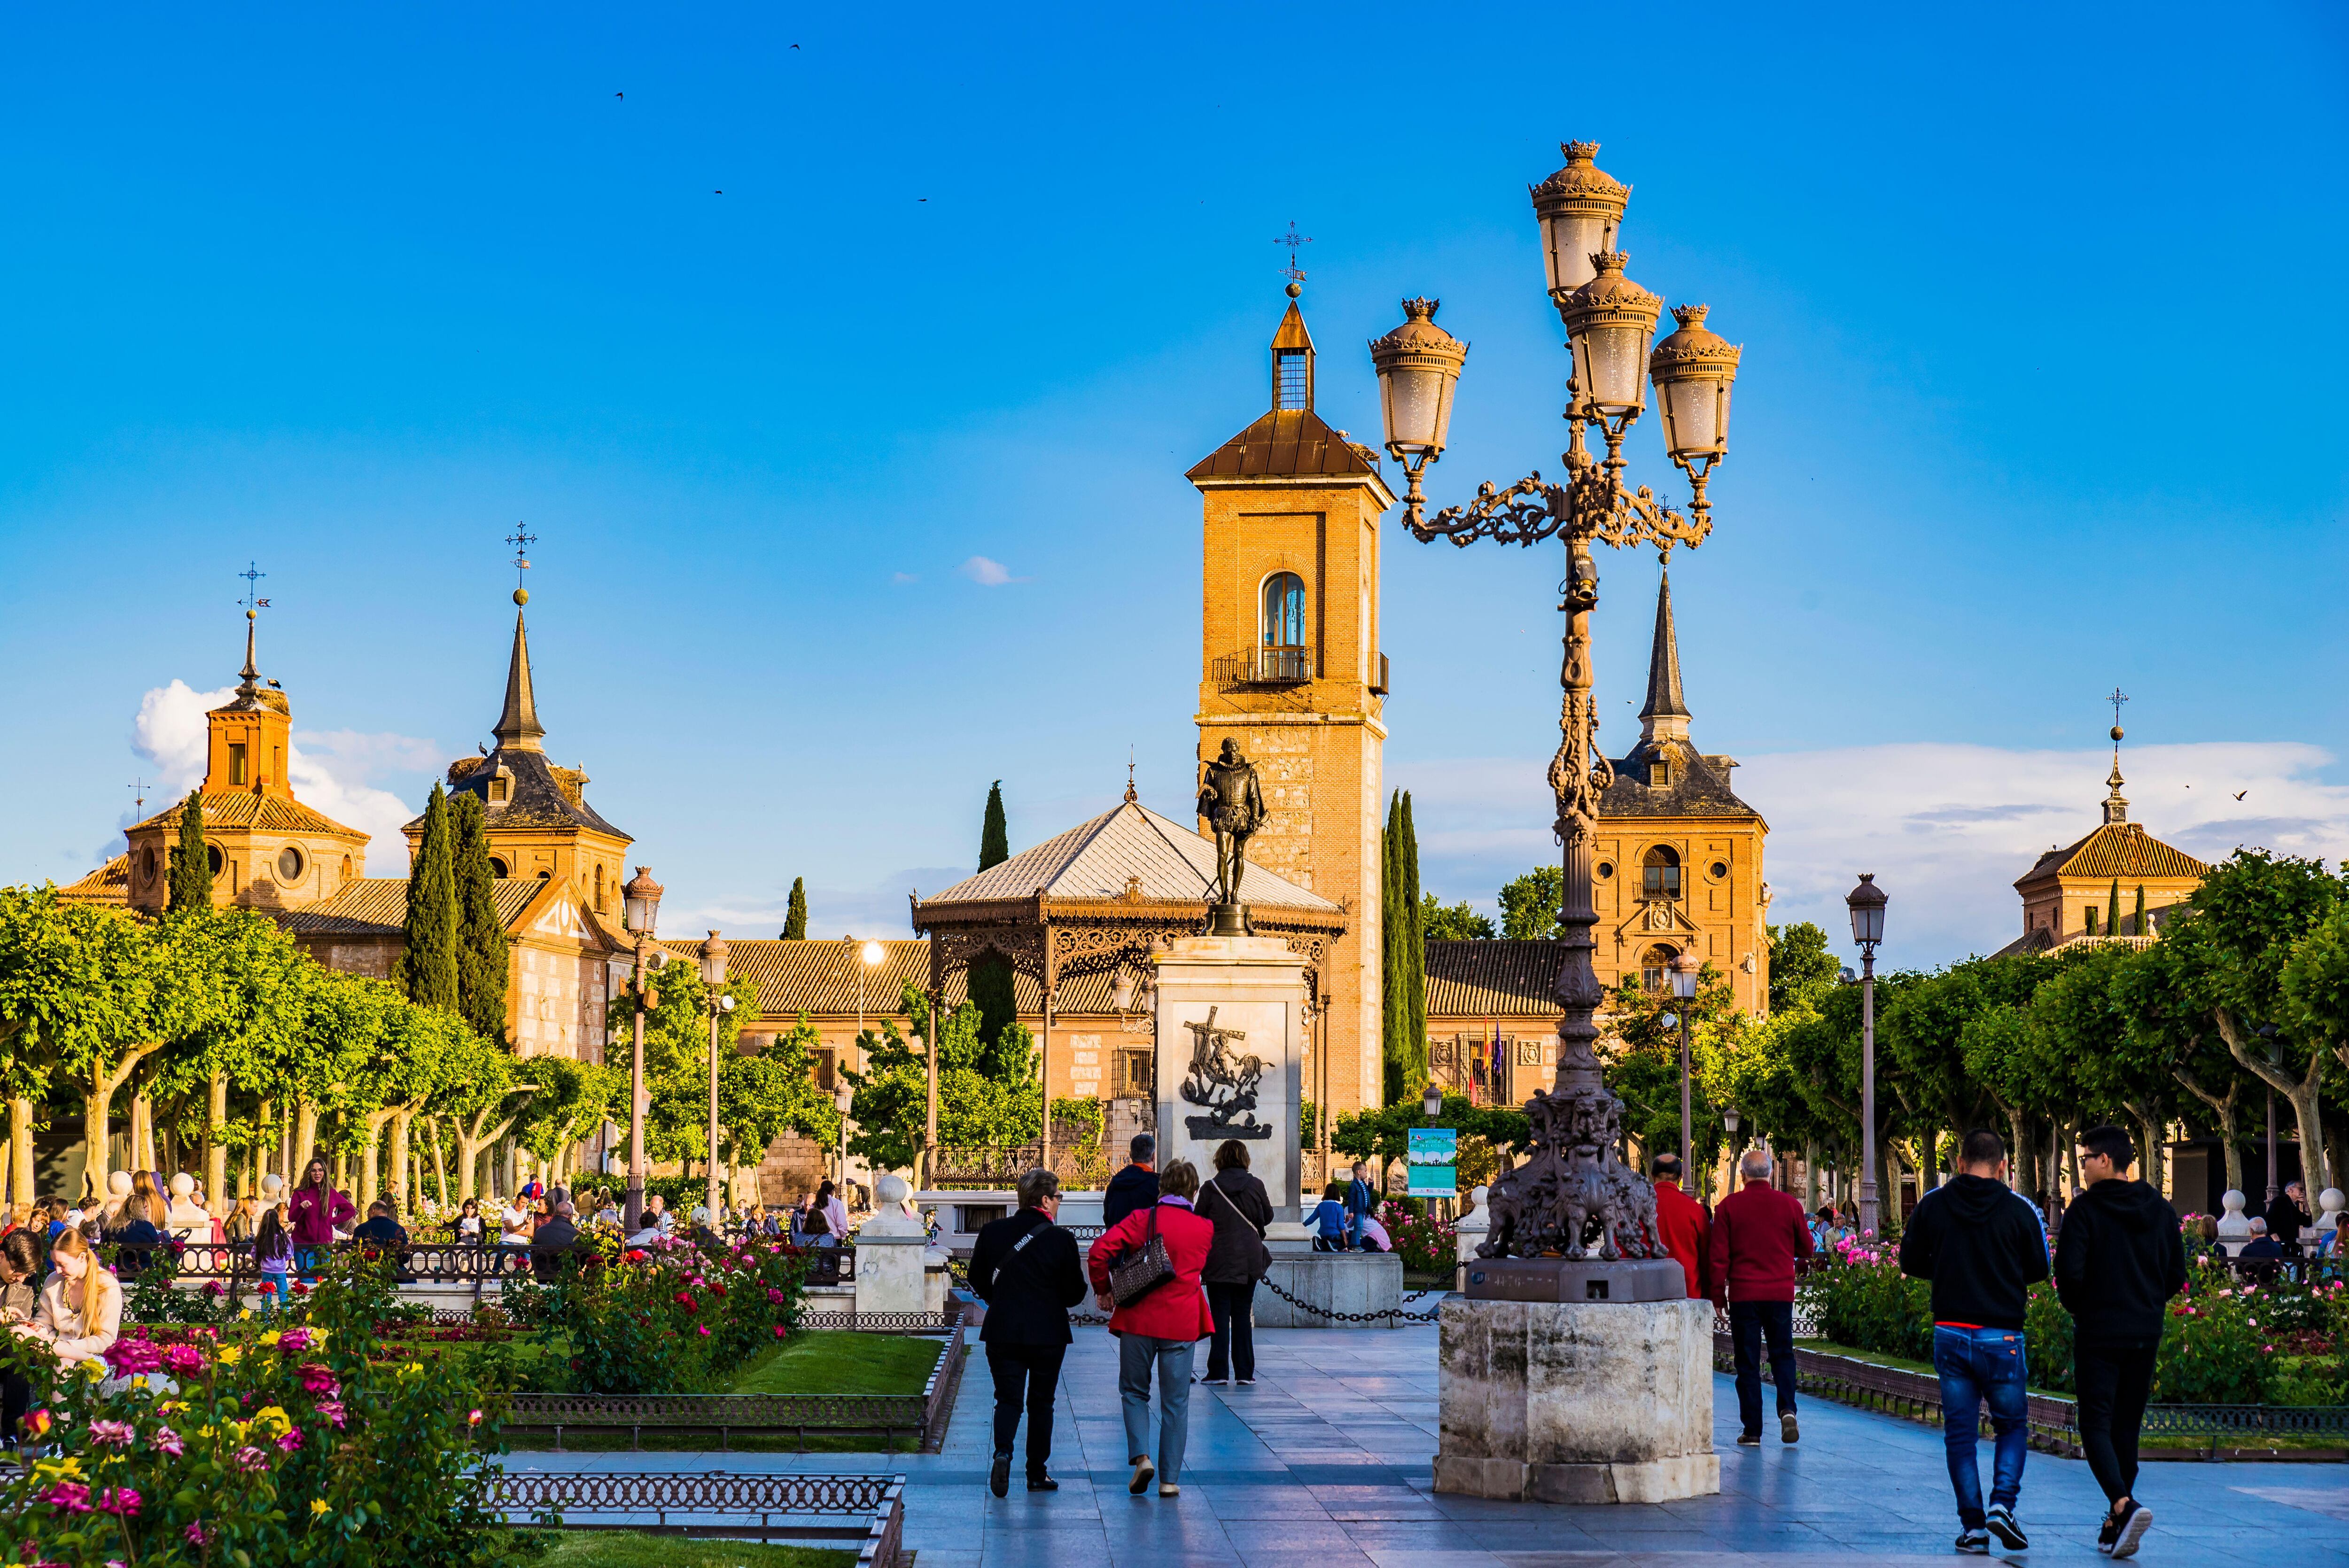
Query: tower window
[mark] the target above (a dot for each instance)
(1659, 873)
(599, 890)
(1653, 967)
(1292, 378)
(1284, 611)
(236, 762)
(214, 859)
(498, 789)
(289, 865)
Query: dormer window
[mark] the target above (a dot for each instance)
(1292, 378)
(500, 789)
(1660, 773)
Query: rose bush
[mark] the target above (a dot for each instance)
(1425, 1243)
(259, 1441)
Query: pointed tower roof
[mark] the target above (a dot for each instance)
(1666, 717)
(1291, 442)
(518, 728)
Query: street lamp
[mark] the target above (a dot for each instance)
(1610, 320)
(1683, 970)
(713, 971)
(1867, 903)
(642, 897)
(1432, 1102)
(842, 1098)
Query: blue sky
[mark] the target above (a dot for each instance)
(2020, 419)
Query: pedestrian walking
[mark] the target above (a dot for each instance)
(1683, 1224)
(1025, 1267)
(1758, 1233)
(1361, 1198)
(2118, 1260)
(1238, 1205)
(1981, 1247)
(1145, 1275)
(1134, 1188)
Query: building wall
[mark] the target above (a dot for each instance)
(2062, 903)
(1720, 918)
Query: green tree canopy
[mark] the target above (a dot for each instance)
(1453, 922)
(428, 956)
(1801, 967)
(482, 945)
(191, 860)
(795, 918)
(1529, 905)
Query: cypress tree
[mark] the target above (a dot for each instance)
(2113, 910)
(1394, 926)
(2136, 926)
(427, 958)
(482, 940)
(795, 921)
(1414, 957)
(989, 980)
(191, 864)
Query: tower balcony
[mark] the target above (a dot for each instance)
(1272, 667)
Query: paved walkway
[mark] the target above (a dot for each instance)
(1325, 1464)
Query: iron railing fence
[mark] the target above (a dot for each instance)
(867, 1511)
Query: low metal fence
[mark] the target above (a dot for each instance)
(922, 1417)
(867, 1511)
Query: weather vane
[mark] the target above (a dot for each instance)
(252, 575)
(521, 538)
(1292, 239)
(2117, 698)
(139, 795)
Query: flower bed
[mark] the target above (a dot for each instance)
(2226, 1342)
(256, 1442)
(1426, 1245)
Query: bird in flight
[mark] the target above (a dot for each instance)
(718, 192)
(2240, 793)
(620, 94)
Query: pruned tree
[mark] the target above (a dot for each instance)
(192, 860)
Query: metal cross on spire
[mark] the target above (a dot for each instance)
(139, 795)
(1292, 239)
(252, 575)
(2118, 698)
(521, 538)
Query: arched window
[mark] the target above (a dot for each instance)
(1654, 965)
(1659, 873)
(599, 890)
(1284, 611)
(498, 869)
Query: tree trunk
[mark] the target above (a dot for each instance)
(2152, 1145)
(305, 1142)
(2224, 1111)
(440, 1171)
(2025, 1163)
(399, 1124)
(216, 1145)
(20, 1150)
(95, 1132)
(2300, 1092)
(1811, 1176)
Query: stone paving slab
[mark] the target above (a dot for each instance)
(1326, 1463)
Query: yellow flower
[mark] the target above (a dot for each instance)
(245, 1314)
(271, 1337)
(171, 1407)
(139, 1380)
(228, 1355)
(94, 1369)
(47, 1469)
(273, 1420)
(318, 1505)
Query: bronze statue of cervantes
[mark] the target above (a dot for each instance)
(1232, 803)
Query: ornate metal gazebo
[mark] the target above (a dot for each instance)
(1098, 899)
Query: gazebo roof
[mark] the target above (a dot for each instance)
(1128, 853)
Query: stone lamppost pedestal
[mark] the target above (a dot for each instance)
(1580, 1401)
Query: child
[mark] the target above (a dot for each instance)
(273, 1249)
(1328, 1219)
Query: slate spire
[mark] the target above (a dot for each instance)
(1666, 717)
(518, 727)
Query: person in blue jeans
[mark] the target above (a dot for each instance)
(1361, 1198)
(1981, 1247)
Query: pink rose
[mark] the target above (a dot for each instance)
(167, 1441)
(294, 1341)
(332, 1410)
(317, 1380)
(199, 1535)
(250, 1460)
(113, 1434)
(124, 1502)
(290, 1441)
(69, 1497)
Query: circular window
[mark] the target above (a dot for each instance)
(1603, 870)
(498, 868)
(212, 858)
(289, 864)
(1719, 869)
(147, 864)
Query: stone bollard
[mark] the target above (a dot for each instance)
(2329, 1204)
(2234, 1226)
(891, 1254)
(1469, 1235)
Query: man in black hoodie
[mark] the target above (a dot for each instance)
(2118, 1260)
(1135, 1186)
(1981, 1247)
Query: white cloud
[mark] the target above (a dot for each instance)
(988, 573)
(171, 732)
(1946, 829)
(902, 578)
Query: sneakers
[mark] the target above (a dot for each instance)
(2128, 1530)
(1787, 1433)
(2109, 1533)
(1143, 1470)
(1247, 1382)
(2003, 1525)
(1039, 1482)
(1749, 1440)
(999, 1475)
(1170, 1490)
(1974, 1541)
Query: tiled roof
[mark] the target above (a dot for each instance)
(818, 977)
(2123, 849)
(111, 883)
(378, 906)
(2035, 940)
(539, 798)
(1493, 978)
(1094, 860)
(1286, 443)
(260, 813)
(1700, 786)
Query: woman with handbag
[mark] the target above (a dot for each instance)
(1240, 1209)
(1145, 1275)
(1025, 1268)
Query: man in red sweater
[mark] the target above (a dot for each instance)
(1757, 1234)
(1682, 1224)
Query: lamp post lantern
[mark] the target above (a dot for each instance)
(713, 972)
(642, 897)
(1683, 970)
(1610, 320)
(1867, 903)
(1432, 1102)
(842, 1098)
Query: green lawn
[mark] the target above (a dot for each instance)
(627, 1549)
(836, 1361)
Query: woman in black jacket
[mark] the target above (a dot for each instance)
(1026, 1269)
(1241, 1209)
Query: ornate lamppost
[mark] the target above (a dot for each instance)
(713, 971)
(1867, 903)
(1684, 972)
(1610, 320)
(643, 896)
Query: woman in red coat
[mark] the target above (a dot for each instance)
(1163, 1328)
(315, 1211)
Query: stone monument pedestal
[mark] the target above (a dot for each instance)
(1231, 1056)
(1336, 1283)
(1577, 1401)
(892, 1255)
